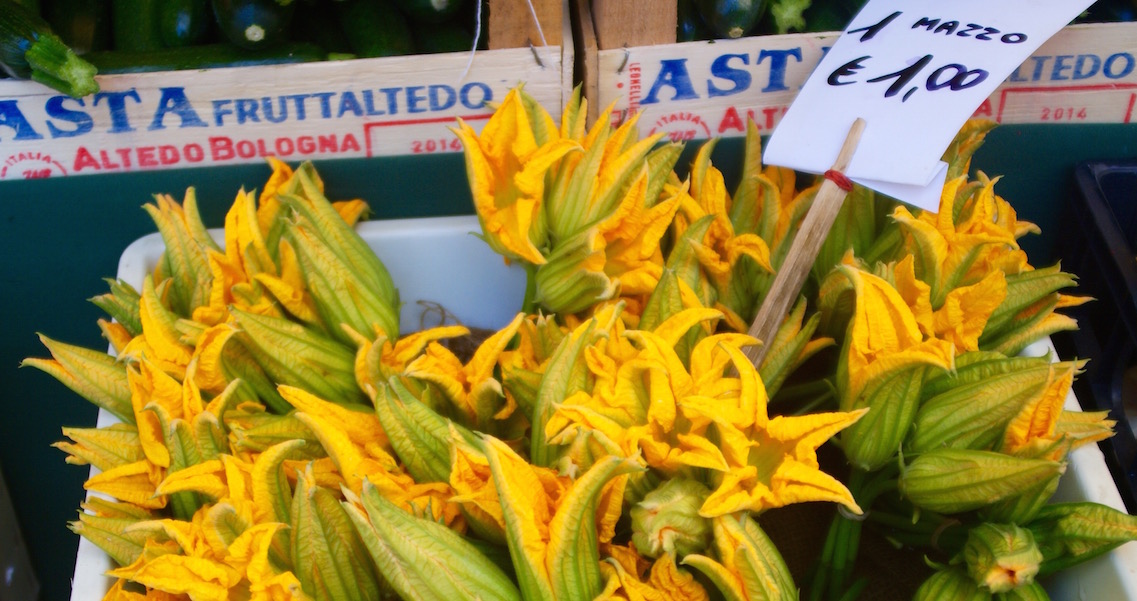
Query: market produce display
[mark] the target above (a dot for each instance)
(29, 50)
(130, 36)
(281, 439)
(726, 19)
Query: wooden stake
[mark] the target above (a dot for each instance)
(803, 251)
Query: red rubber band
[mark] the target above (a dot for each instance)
(839, 178)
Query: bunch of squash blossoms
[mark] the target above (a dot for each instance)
(279, 438)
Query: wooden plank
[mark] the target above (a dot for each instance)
(336, 109)
(627, 23)
(697, 90)
(524, 23)
(585, 34)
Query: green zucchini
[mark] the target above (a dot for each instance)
(32, 5)
(689, 26)
(443, 37)
(29, 50)
(253, 23)
(84, 25)
(375, 28)
(184, 22)
(205, 56)
(135, 24)
(731, 18)
(315, 22)
(429, 11)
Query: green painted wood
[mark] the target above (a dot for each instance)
(62, 236)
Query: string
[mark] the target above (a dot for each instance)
(840, 179)
(477, 35)
(533, 12)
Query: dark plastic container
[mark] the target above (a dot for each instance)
(1099, 244)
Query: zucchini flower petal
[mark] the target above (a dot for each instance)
(424, 560)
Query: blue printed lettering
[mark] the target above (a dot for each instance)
(1039, 65)
(174, 101)
(672, 73)
(392, 99)
(247, 110)
(414, 97)
(1060, 66)
(778, 61)
(273, 116)
(55, 109)
(116, 103)
(348, 104)
(325, 103)
(1112, 72)
(1082, 71)
(298, 101)
(466, 95)
(369, 104)
(720, 69)
(442, 103)
(220, 109)
(11, 116)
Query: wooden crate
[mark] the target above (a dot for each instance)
(519, 24)
(336, 109)
(697, 90)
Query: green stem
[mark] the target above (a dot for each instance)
(824, 564)
(529, 302)
(56, 66)
(812, 405)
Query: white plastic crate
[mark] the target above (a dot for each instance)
(440, 260)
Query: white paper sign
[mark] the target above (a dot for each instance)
(915, 70)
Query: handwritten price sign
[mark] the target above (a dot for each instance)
(914, 70)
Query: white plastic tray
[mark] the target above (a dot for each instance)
(439, 260)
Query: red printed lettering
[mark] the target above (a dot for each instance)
(246, 149)
(168, 155)
(221, 148)
(194, 153)
(147, 157)
(84, 160)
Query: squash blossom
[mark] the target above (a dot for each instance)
(506, 167)
(281, 439)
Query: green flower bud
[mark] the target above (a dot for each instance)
(951, 584)
(1001, 557)
(573, 278)
(974, 414)
(667, 520)
(958, 480)
(1070, 533)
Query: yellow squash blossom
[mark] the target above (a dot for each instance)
(883, 337)
(963, 315)
(551, 523)
(664, 581)
(1038, 426)
(506, 168)
(779, 455)
(721, 248)
(472, 388)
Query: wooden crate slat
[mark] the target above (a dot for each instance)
(512, 25)
(627, 23)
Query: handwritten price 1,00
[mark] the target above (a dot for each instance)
(952, 76)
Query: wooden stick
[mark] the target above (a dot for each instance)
(803, 251)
